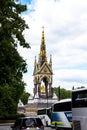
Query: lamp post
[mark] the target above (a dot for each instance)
(59, 93)
(47, 95)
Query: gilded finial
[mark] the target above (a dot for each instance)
(43, 48)
(43, 41)
(42, 28)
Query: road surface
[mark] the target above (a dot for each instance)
(9, 128)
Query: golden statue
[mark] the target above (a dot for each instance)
(42, 89)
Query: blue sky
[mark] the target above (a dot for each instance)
(65, 23)
(26, 1)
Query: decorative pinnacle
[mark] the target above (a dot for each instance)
(42, 41)
(42, 28)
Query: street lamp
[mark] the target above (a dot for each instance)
(47, 95)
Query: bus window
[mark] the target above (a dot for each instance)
(79, 99)
(62, 106)
(41, 111)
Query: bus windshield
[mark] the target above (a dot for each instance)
(65, 106)
(79, 99)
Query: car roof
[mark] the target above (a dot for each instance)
(27, 117)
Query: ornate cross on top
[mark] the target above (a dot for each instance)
(43, 28)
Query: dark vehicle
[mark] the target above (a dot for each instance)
(28, 123)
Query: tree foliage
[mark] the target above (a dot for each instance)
(8, 107)
(80, 87)
(12, 65)
(12, 25)
(63, 93)
(24, 97)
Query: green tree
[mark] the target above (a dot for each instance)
(63, 93)
(24, 97)
(81, 87)
(12, 65)
(12, 25)
(7, 104)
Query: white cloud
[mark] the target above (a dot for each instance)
(70, 78)
(65, 24)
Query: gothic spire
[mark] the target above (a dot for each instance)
(50, 62)
(42, 40)
(43, 57)
(35, 66)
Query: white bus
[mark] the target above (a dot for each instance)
(45, 115)
(79, 109)
(62, 115)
